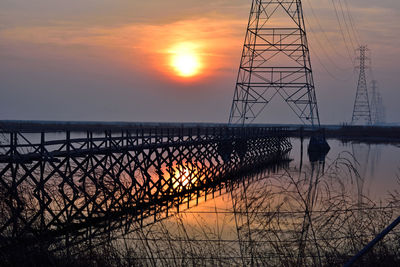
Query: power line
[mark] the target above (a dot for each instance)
(353, 24)
(342, 32)
(323, 47)
(324, 34)
(346, 25)
(328, 57)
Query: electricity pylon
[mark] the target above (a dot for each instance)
(374, 103)
(381, 110)
(362, 109)
(377, 107)
(275, 61)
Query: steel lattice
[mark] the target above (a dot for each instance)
(91, 183)
(275, 61)
(362, 109)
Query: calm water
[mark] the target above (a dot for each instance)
(307, 214)
(377, 165)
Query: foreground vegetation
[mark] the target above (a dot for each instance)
(315, 216)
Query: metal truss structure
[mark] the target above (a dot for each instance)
(275, 61)
(377, 108)
(65, 185)
(381, 118)
(362, 109)
(374, 103)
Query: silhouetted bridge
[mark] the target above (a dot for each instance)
(90, 178)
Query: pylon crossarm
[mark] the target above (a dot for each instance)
(275, 61)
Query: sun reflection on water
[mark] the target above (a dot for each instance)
(185, 177)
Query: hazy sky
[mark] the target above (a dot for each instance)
(110, 59)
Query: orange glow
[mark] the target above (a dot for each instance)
(184, 51)
(184, 176)
(185, 60)
(186, 65)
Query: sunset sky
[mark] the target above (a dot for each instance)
(121, 60)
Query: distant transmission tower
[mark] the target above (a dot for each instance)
(377, 108)
(381, 110)
(375, 113)
(362, 110)
(275, 61)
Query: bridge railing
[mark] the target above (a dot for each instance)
(54, 183)
(26, 146)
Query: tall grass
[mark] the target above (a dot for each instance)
(313, 216)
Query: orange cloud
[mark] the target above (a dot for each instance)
(213, 42)
(148, 46)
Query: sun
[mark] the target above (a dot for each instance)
(185, 60)
(185, 64)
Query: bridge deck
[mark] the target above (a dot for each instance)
(59, 179)
(380, 133)
(62, 177)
